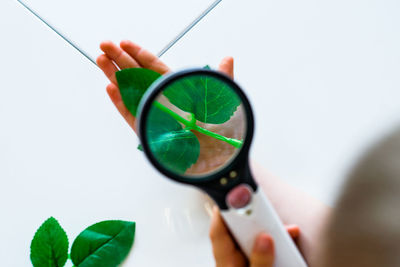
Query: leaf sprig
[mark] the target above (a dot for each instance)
(171, 138)
(104, 244)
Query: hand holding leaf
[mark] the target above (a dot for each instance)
(129, 55)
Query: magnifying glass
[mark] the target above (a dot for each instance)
(196, 127)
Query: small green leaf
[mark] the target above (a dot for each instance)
(140, 147)
(133, 83)
(209, 99)
(104, 244)
(174, 147)
(49, 246)
(207, 67)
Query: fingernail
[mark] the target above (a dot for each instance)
(293, 230)
(263, 244)
(215, 209)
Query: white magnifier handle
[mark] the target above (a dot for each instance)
(257, 217)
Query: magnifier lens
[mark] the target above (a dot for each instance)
(196, 125)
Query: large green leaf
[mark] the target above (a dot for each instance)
(49, 247)
(208, 98)
(177, 149)
(133, 83)
(104, 244)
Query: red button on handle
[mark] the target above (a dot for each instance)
(239, 197)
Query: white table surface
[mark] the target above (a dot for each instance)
(323, 78)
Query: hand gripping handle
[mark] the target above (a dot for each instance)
(259, 216)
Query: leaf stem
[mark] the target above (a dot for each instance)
(234, 142)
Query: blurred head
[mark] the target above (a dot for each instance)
(365, 227)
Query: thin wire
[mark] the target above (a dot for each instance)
(160, 54)
(59, 33)
(188, 28)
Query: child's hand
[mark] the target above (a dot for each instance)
(127, 55)
(226, 252)
(131, 55)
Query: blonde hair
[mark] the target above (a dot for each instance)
(364, 229)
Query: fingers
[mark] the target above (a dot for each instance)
(224, 249)
(115, 96)
(128, 55)
(226, 252)
(226, 66)
(119, 56)
(144, 58)
(108, 67)
(293, 230)
(263, 252)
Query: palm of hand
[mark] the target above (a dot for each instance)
(213, 153)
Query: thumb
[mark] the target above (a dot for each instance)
(263, 252)
(226, 66)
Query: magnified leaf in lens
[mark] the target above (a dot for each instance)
(209, 99)
(176, 148)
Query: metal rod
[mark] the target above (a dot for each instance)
(188, 28)
(58, 33)
(161, 53)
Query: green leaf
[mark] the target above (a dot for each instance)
(49, 246)
(175, 148)
(209, 99)
(207, 67)
(104, 244)
(133, 83)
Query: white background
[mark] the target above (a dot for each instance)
(323, 78)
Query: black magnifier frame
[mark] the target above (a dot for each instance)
(219, 183)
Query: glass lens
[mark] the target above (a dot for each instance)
(196, 126)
